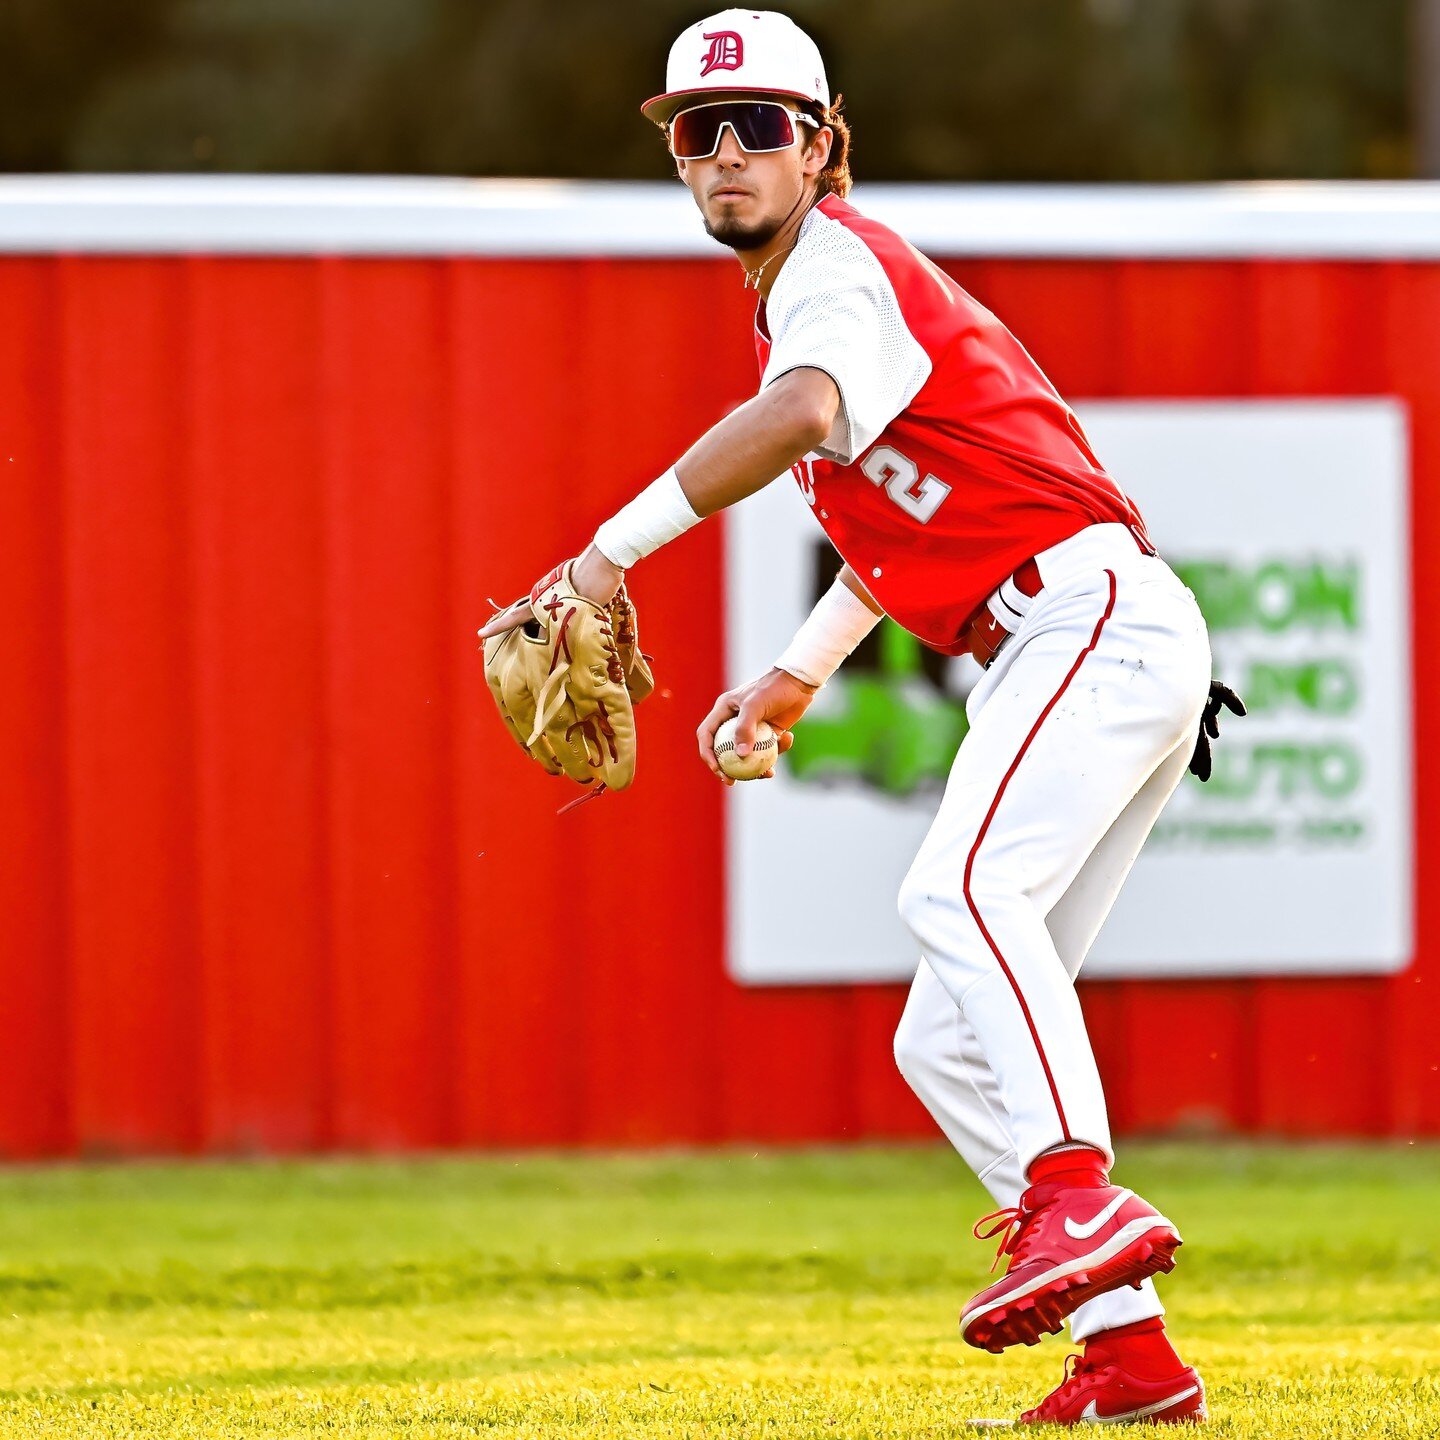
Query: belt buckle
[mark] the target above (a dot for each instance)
(987, 636)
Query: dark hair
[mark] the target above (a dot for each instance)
(834, 179)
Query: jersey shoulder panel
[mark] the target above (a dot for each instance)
(935, 307)
(834, 307)
(978, 364)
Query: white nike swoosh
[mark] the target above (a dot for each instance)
(1084, 1232)
(1144, 1412)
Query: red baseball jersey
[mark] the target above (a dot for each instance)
(953, 459)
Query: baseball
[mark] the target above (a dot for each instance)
(746, 767)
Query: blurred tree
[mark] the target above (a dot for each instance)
(1425, 86)
(54, 54)
(968, 89)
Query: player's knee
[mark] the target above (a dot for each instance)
(932, 904)
(914, 1054)
(948, 911)
(915, 902)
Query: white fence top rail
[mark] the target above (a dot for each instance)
(307, 215)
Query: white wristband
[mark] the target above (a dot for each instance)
(656, 516)
(837, 624)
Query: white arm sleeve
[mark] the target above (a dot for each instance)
(837, 624)
(834, 309)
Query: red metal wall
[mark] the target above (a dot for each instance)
(275, 878)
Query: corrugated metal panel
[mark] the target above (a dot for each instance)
(268, 844)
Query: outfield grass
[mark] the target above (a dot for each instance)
(756, 1295)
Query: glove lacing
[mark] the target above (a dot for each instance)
(552, 692)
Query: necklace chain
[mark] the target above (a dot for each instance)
(753, 277)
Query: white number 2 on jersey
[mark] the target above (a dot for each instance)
(900, 476)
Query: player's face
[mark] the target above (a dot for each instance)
(745, 198)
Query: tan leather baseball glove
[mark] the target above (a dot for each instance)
(567, 681)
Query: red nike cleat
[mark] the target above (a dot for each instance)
(1093, 1393)
(1067, 1244)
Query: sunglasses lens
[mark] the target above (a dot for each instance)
(758, 125)
(693, 133)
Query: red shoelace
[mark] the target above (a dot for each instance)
(1077, 1370)
(1014, 1227)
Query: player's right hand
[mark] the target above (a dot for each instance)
(776, 696)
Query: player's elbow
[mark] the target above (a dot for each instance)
(814, 429)
(807, 403)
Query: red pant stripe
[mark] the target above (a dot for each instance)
(985, 825)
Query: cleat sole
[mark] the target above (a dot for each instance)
(1026, 1319)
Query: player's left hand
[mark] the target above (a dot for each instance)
(593, 576)
(1220, 695)
(566, 682)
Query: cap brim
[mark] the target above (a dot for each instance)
(663, 108)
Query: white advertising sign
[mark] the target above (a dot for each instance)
(1290, 521)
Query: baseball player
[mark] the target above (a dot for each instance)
(967, 505)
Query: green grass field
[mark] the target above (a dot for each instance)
(732, 1295)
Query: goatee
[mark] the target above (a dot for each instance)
(743, 237)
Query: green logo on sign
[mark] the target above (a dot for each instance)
(892, 726)
(1275, 595)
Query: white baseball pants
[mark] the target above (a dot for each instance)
(1079, 733)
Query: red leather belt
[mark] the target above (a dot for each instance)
(984, 632)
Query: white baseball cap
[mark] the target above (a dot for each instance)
(740, 52)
